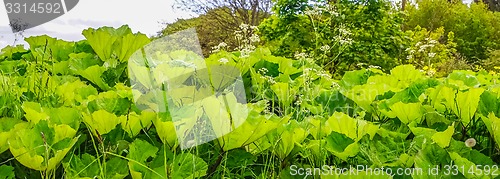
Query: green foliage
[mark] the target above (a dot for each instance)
(6, 172)
(214, 27)
(84, 120)
(428, 52)
(355, 32)
(475, 28)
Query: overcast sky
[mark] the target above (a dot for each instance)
(141, 15)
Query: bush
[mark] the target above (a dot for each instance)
(367, 31)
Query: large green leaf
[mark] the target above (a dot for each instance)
(41, 147)
(287, 137)
(354, 78)
(467, 104)
(490, 102)
(102, 39)
(428, 157)
(463, 80)
(65, 121)
(128, 44)
(48, 48)
(400, 78)
(116, 168)
(355, 129)
(284, 93)
(111, 101)
(187, 165)
(7, 172)
(93, 74)
(81, 61)
(139, 152)
(166, 130)
(141, 74)
(405, 75)
(341, 145)
(407, 113)
(345, 134)
(365, 95)
(493, 125)
(471, 170)
(333, 101)
(134, 123)
(443, 138)
(12, 52)
(254, 127)
(74, 93)
(225, 113)
(463, 104)
(6, 130)
(101, 121)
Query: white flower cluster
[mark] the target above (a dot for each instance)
(343, 36)
(246, 37)
(219, 47)
(238, 35)
(300, 55)
(324, 74)
(306, 71)
(314, 11)
(335, 85)
(298, 102)
(431, 72)
(375, 67)
(343, 31)
(423, 47)
(331, 9)
(321, 73)
(267, 107)
(318, 10)
(254, 38)
(325, 48)
(223, 60)
(245, 52)
(269, 79)
(263, 71)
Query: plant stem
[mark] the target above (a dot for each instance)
(214, 166)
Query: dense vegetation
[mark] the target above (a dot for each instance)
(357, 83)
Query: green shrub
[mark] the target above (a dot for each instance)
(475, 28)
(367, 31)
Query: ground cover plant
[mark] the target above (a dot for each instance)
(315, 109)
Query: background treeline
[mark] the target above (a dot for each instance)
(380, 33)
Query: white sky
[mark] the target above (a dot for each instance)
(144, 16)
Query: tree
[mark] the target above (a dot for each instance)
(218, 20)
(250, 12)
(208, 34)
